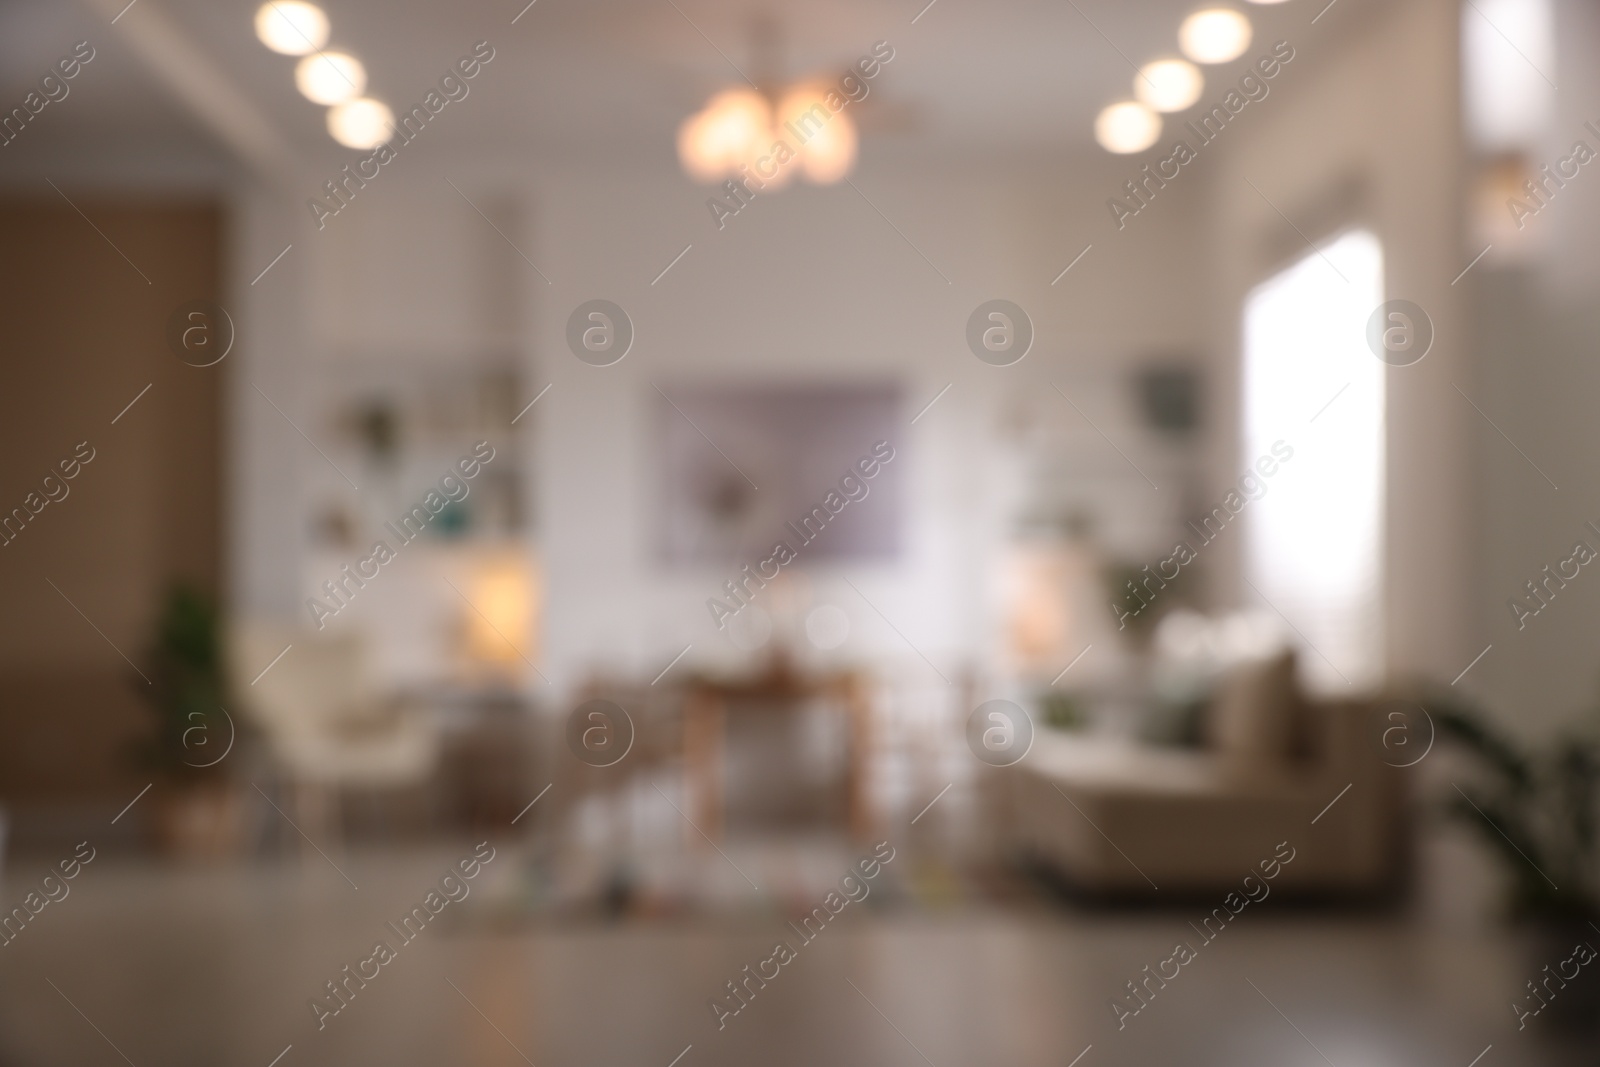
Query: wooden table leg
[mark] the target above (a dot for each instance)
(859, 709)
(703, 726)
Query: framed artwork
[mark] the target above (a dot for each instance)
(737, 469)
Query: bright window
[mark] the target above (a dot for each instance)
(1314, 540)
(1508, 65)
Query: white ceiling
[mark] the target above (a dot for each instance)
(619, 75)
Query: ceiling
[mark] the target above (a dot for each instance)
(617, 76)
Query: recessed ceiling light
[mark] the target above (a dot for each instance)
(1127, 127)
(1214, 35)
(361, 123)
(1168, 84)
(330, 77)
(292, 27)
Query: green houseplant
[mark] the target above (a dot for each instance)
(1533, 806)
(192, 733)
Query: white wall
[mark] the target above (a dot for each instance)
(804, 284)
(267, 461)
(1534, 328)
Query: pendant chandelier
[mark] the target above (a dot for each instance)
(776, 130)
(741, 127)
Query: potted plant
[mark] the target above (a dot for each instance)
(195, 809)
(1533, 806)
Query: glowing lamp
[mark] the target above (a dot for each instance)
(1214, 35)
(362, 123)
(1168, 84)
(291, 27)
(330, 77)
(1127, 127)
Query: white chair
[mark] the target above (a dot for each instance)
(328, 725)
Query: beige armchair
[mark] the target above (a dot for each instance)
(328, 725)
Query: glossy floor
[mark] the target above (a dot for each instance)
(159, 965)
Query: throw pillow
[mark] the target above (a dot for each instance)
(1252, 718)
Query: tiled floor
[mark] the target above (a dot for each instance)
(158, 965)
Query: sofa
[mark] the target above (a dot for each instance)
(1115, 816)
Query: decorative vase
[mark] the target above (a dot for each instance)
(199, 822)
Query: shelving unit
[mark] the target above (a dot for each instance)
(458, 603)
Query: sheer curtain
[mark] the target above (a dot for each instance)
(1314, 541)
